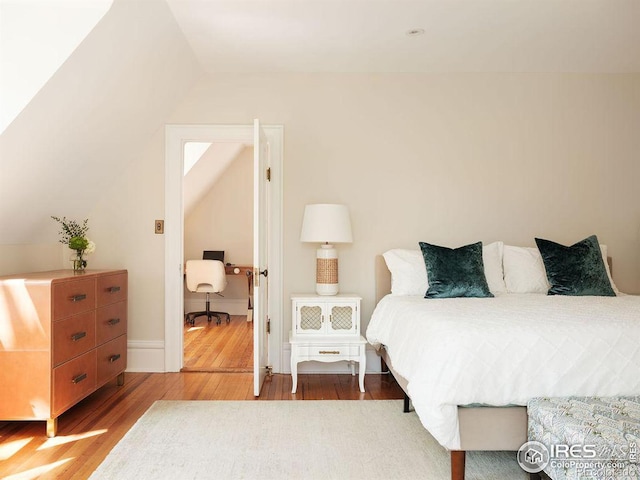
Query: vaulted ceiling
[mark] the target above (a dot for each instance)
(93, 117)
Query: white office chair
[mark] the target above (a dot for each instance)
(206, 276)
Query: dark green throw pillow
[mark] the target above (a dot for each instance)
(455, 272)
(575, 270)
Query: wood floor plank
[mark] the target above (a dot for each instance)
(218, 366)
(209, 347)
(89, 430)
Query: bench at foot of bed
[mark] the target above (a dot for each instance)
(587, 437)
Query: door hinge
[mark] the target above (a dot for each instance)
(268, 325)
(268, 174)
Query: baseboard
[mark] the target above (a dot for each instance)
(145, 356)
(148, 356)
(233, 306)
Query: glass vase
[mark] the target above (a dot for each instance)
(79, 263)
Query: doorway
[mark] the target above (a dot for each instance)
(218, 218)
(176, 136)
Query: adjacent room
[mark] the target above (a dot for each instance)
(418, 222)
(218, 224)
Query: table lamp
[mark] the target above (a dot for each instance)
(327, 224)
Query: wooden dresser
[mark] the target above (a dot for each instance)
(62, 336)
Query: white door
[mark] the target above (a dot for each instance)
(260, 257)
(176, 136)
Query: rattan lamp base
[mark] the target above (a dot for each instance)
(327, 270)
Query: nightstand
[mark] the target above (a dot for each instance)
(326, 329)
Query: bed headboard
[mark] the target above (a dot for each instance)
(383, 277)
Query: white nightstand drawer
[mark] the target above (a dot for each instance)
(328, 351)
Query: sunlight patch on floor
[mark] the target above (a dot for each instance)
(62, 439)
(38, 471)
(9, 449)
(192, 329)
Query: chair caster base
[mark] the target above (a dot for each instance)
(190, 318)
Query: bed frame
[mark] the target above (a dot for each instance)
(481, 428)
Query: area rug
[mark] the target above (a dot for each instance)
(324, 439)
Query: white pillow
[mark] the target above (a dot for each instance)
(492, 258)
(603, 249)
(524, 270)
(409, 273)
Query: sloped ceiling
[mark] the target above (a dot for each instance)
(35, 42)
(206, 171)
(92, 118)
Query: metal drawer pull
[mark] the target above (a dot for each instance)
(329, 352)
(79, 378)
(78, 298)
(113, 321)
(77, 336)
(113, 289)
(114, 358)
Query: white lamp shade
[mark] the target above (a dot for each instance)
(325, 222)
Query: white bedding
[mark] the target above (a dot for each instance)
(506, 350)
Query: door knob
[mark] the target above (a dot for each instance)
(256, 276)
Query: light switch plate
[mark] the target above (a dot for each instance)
(159, 226)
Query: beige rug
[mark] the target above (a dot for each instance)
(330, 439)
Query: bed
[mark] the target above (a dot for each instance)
(470, 365)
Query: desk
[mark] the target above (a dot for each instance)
(246, 270)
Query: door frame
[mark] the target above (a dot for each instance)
(175, 138)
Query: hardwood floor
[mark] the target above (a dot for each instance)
(227, 347)
(88, 431)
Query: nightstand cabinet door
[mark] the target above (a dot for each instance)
(343, 319)
(310, 319)
(330, 315)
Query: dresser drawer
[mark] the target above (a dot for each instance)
(112, 359)
(112, 322)
(74, 380)
(73, 336)
(112, 288)
(73, 297)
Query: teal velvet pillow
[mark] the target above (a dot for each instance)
(455, 272)
(575, 270)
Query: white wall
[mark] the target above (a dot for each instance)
(450, 159)
(444, 158)
(29, 258)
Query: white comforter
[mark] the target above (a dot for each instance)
(506, 350)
